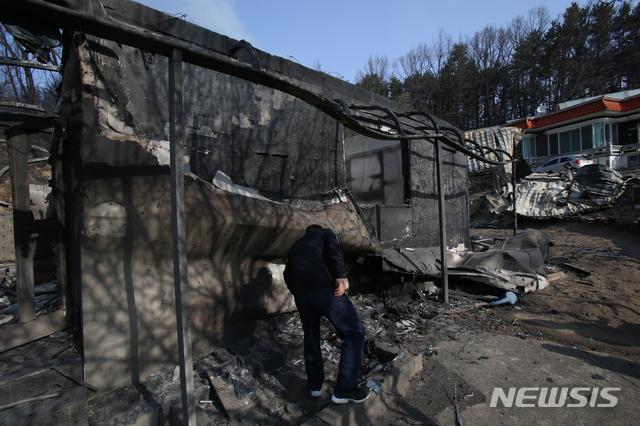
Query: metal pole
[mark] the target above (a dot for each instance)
(515, 213)
(176, 135)
(443, 223)
(18, 145)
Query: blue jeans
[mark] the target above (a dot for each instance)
(341, 313)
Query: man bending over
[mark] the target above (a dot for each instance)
(315, 275)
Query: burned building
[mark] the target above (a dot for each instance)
(270, 147)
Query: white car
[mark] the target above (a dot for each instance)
(559, 164)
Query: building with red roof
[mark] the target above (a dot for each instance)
(604, 128)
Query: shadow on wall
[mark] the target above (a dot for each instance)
(236, 247)
(261, 298)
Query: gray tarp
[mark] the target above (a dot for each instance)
(516, 264)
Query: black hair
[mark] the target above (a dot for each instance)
(314, 227)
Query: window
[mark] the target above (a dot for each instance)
(595, 135)
(587, 137)
(598, 130)
(575, 140)
(565, 142)
(605, 134)
(570, 141)
(553, 144)
(529, 147)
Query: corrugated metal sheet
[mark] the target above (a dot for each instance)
(545, 196)
(505, 138)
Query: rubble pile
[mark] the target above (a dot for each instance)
(262, 379)
(554, 195)
(47, 296)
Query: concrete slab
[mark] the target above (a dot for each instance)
(396, 381)
(201, 416)
(315, 422)
(493, 364)
(68, 407)
(401, 373)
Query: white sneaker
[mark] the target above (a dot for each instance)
(344, 396)
(316, 394)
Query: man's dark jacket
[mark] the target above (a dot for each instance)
(315, 261)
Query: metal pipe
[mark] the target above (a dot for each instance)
(442, 222)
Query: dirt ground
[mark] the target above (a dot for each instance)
(599, 311)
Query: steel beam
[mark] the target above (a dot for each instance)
(176, 135)
(515, 209)
(29, 64)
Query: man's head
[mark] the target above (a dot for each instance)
(314, 227)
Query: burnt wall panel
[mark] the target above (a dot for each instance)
(127, 283)
(128, 287)
(121, 198)
(258, 136)
(424, 196)
(390, 222)
(374, 170)
(282, 158)
(7, 248)
(374, 174)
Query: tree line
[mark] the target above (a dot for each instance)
(519, 70)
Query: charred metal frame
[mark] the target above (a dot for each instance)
(29, 64)
(365, 120)
(17, 127)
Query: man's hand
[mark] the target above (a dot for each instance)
(341, 287)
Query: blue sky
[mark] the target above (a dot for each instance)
(341, 35)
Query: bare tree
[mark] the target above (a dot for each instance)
(442, 45)
(489, 47)
(422, 58)
(537, 19)
(376, 75)
(414, 62)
